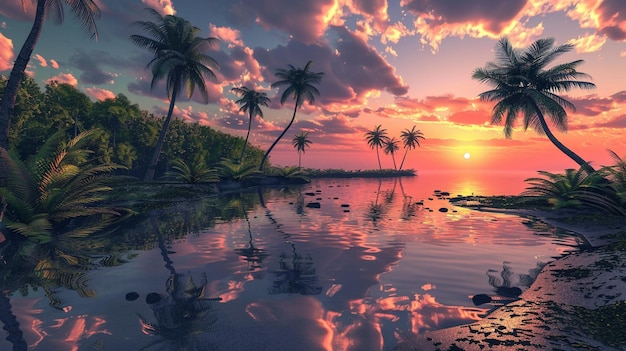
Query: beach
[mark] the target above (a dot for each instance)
(576, 302)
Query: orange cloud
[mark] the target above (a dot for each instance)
(588, 43)
(226, 34)
(54, 64)
(6, 53)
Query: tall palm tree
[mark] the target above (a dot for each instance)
(300, 142)
(250, 101)
(390, 147)
(85, 11)
(179, 58)
(523, 85)
(376, 139)
(410, 139)
(300, 84)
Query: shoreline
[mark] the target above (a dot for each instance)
(568, 307)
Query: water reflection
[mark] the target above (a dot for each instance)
(332, 276)
(183, 314)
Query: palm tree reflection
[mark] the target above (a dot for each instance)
(296, 276)
(182, 315)
(253, 255)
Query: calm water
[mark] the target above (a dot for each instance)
(362, 271)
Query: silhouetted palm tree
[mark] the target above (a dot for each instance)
(300, 84)
(250, 102)
(390, 147)
(85, 11)
(300, 142)
(410, 139)
(376, 139)
(523, 85)
(179, 59)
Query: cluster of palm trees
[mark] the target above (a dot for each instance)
(377, 139)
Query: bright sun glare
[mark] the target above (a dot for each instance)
(466, 155)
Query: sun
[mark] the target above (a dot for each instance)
(467, 155)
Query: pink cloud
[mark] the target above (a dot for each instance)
(6, 53)
(42, 61)
(66, 78)
(226, 34)
(54, 64)
(99, 94)
(164, 7)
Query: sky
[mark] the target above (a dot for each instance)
(397, 64)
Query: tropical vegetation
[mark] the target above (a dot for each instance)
(523, 84)
(390, 148)
(376, 139)
(250, 102)
(300, 86)
(300, 142)
(180, 59)
(410, 139)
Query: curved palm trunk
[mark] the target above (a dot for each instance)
(394, 161)
(159, 145)
(299, 159)
(406, 151)
(295, 109)
(7, 102)
(247, 136)
(571, 154)
(380, 167)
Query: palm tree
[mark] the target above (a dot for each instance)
(376, 139)
(250, 102)
(523, 85)
(179, 58)
(300, 85)
(86, 13)
(410, 138)
(390, 147)
(300, 142)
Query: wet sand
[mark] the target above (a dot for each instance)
(576, 302)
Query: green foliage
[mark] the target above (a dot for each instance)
(524, 85)
(57, 187)
(238, 171)
(291, 173)
(196, 173)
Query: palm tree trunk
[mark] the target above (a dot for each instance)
(247, 136)
(571, 154)
(406, 150)
(159, 145)
(299, 159)
(7, 102)
(295, 108)
(11, 325)
(380, 167)
(394, 161)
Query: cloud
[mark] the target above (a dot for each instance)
(6, 53)
(470, 118)
(592, 105)
(226, 34)
(90, 63)
(164, 7)
(436, 20)
(305, 21)
(54, 64)
(99, 94)
(42, 61)
(617, 122)
(18, 10)
(588, 43)
(64, 78)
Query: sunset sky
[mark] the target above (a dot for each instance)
(395, 63)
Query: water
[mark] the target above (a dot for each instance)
(365, 270)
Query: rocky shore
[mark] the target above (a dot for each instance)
(577, 302)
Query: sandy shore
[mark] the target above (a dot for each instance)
(576, 303)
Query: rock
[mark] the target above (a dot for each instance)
(313, 205)
(443, 209)
(481, 299)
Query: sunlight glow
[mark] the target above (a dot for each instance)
(467, 155)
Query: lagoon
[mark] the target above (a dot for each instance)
(337, 264)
